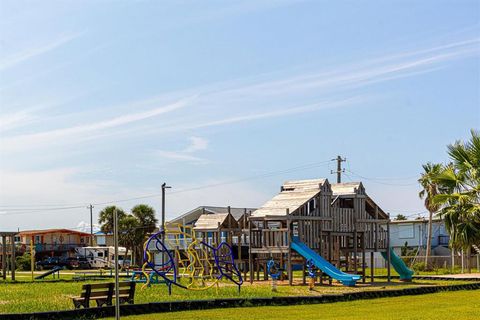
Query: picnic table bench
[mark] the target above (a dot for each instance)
(104, 293)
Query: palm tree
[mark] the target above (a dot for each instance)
(105, 218)
(429, 191)
(460, 194)
(147, 222)
(129, 233)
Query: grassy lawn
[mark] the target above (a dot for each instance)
(446, 305)
(48, 296)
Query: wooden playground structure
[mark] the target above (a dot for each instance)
(310, 223)
(340, 222)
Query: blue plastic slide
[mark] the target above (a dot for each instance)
(326, 267)
(399, 266)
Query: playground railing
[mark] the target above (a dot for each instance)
(269, 238)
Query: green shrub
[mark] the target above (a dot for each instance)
(23, 262)
(419, 266)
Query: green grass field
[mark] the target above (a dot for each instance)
(446, 305)
(48, 296)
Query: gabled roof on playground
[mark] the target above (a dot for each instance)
(292, 196)
(211, 222)
(346, 188)
(191, 216)
(351, 189)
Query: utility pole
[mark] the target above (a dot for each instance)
(91, 224)
(339, 168)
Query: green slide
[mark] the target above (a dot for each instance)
(399, 266)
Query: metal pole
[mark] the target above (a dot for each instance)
(389, 258)
(162, 227)
(115, 240)
(91, 224)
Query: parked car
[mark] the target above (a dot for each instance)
(63, 262)
(79, 263)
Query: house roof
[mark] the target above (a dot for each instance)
(213, 221)
(8, 233)
(292, 196)
(191, 216)
(47, 231)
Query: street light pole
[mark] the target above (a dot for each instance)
(164, 186)
(162, 227)
(115, 240)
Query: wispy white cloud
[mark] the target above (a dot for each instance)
(362, 73)
(14, 59)
(82, 131)
(15, 119)
(180, 156)
(196, 144)
(276, 113)
(258, 96)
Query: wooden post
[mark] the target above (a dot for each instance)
(363, 257)
(32, 257)
(289, 257)
(4, 257)
(304, 278)
(389, 258)
(376, 229)
(355, 243)
(12, 257)
(250, 255)
(330, 244)
(372, 266)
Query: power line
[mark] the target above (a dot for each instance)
(26, 210)
(375, 180)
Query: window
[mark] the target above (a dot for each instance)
(311, 206)
(345, 203)
(100, 254)
(406, 231)
(101, 240)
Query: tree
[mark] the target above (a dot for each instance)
(129, 234)
(105, 218)
(145, 216)
(133, 228)
(430, 190)
(459, 198)
(400, 217)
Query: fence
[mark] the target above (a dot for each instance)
(435, 262)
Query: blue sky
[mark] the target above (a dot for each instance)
(103, 101)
